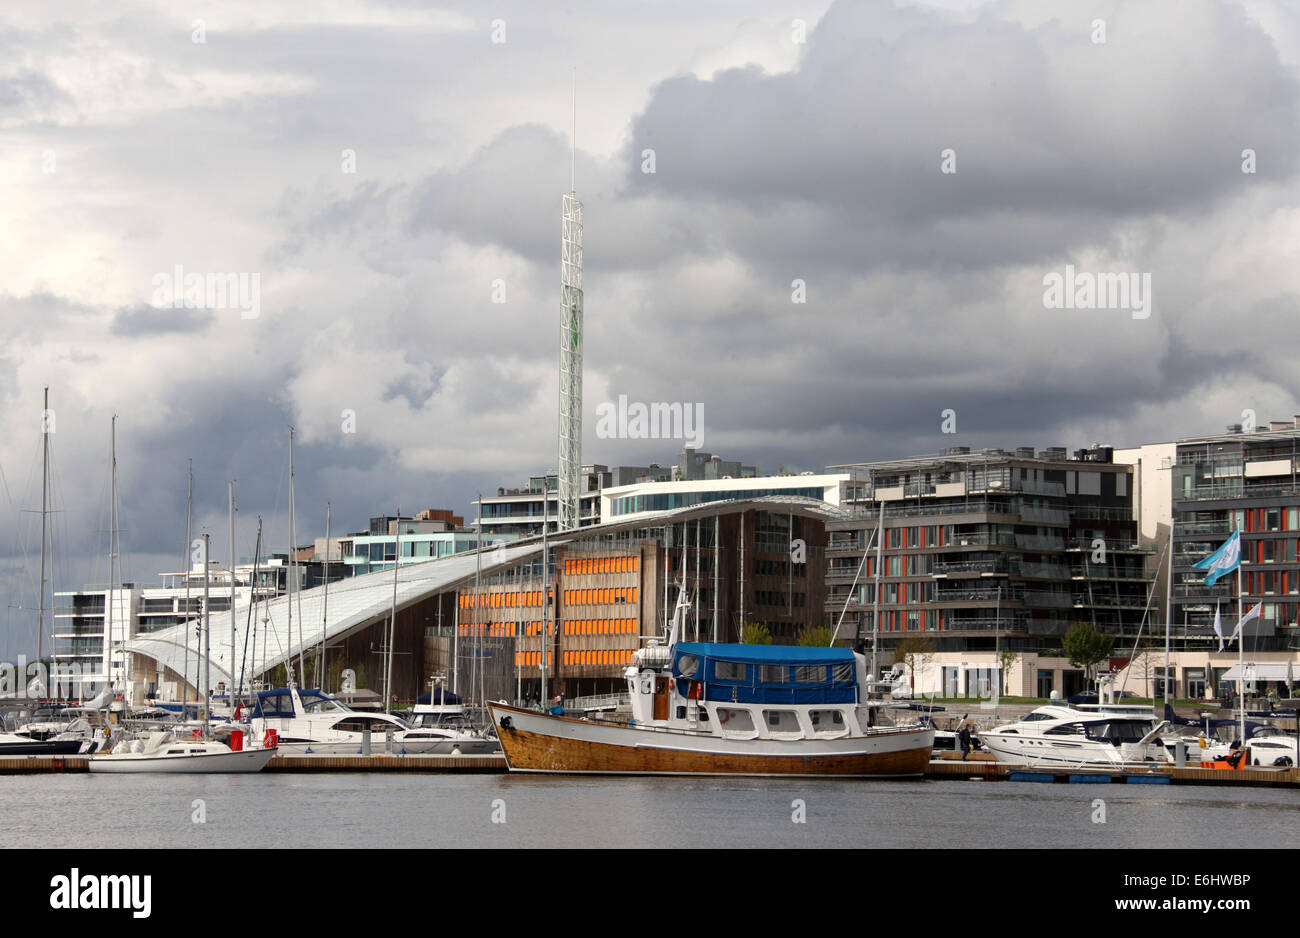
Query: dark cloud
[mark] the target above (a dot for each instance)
(143, 320)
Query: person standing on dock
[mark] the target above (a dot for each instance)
(963, 736)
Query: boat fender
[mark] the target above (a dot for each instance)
(506, 723)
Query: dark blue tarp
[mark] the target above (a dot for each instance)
(444, 697)
(791, 674)
(767, 654)
(278, 703)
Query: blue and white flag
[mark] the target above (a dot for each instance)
(1223, 561)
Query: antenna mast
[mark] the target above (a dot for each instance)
(570, 431)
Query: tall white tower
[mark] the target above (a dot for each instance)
(570, 438)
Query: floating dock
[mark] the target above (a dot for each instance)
(1151, 774)
(973, 769)
(54, 765)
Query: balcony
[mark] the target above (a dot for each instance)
(982, 540)
(1040, 542)
(1050, 516)
(957, 567)
(1044, 571)
(1046, 600)
(968, 624)
(1111, 544)
(973, 596)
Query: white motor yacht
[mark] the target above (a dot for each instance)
(309, 722)
(1065, 736)
(448, 723)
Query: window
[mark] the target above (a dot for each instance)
(773, 674)
(810, 675)
(841, 673)
(729, 671)
(687, 665)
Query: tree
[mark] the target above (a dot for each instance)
(1007, 658)
(915, 652)
(1086, 646)
(755, 633)
(815, 636)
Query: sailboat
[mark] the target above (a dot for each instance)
(166, 751)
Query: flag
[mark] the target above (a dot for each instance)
(1223, 561)
(1253, 614)
(1218, 626)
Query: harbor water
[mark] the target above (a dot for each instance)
(423, 811)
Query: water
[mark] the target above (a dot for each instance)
(422, 811)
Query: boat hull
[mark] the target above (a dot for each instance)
(537, 742)
(1045, 751)
(242, 761)
(49, 747)
(472, 747)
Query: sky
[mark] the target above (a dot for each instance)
(841, 253)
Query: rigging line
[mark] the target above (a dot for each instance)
(252, 604)
(1142, 624)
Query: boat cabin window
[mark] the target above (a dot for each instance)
(687, 665)
(729, 670)
(1118, 731)
(842, 673)
(1065, 729)
(322, 705)
(773, 674)
(782, 721)
(734, 720)
(815, 674)
(358, 725)
(827, 719)
(1031, 717)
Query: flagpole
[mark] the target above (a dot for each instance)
(1241, 660)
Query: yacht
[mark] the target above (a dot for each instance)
(64, 739)
(1067, 736)
(725, 709)
(310, 722)
(164, 751)
(447, 722)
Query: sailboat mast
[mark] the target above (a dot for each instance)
(325, 608)
(875, 613)
(189, 568)
(112, 529)
(478, 598)
(293, 540)
(392, 622)
(230, 486)
(207, 638)
(546, 586)
(45, 475)
(1169, 605)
